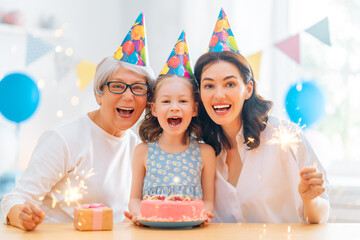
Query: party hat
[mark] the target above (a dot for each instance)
(133, 49)
(222, 39)
(179, 62)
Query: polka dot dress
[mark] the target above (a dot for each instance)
(173, 173)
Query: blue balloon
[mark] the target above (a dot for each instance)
(19, 97)
(305, 103)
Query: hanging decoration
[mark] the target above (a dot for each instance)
(291, 47)
(36, 48)
(321, 31)
(86, 72)
(254, 61)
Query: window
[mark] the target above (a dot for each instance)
(337, 70)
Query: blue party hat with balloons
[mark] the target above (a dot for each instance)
(133, 49)
(179, 62)
(222, 38)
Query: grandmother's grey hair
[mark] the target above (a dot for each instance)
(109, 65)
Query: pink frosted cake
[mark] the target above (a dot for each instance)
(175, 210)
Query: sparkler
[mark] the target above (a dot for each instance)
(73, 193)
(287, 137)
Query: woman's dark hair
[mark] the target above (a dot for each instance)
(150, 128)
(254, 112)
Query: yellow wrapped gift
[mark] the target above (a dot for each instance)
(93, 217)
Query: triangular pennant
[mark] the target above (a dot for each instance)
(64, 65)
(36, 48)
(291, 47)
(179, 62)
(254, 61)
(321, 31)
(86, 72)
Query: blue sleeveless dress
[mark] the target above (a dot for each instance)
(173, 173)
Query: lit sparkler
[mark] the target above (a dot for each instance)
(73, 193)
(287, 137)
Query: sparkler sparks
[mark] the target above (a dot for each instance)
(287, 137)
(250, 140)
(73, 192)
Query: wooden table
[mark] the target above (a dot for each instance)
(242, 231)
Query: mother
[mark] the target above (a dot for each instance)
(98, 143)
(256, 181)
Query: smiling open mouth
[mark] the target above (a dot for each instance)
(125, 111)
(221, 108)
(174, 121)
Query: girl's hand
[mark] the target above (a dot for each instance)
(209, 215)
(132, 217)
(26, 216)
(311, 183)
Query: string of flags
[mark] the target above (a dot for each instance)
(291, 45)
(37, 48)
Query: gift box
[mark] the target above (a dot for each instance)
(93, 217)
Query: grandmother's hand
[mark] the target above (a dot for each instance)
(311, 183)
(26, 216)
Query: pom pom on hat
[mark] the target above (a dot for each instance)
(179, 62)
(222, 38)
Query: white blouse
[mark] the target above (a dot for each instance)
(267, 188)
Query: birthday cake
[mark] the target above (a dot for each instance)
(172, 209)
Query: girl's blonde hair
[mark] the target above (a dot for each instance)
(150, 129)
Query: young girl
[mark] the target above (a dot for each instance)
(171, 161)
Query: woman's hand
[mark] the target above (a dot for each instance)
(26, 216)
(311, 183)
(132, 217)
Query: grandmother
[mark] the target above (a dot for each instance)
(92, 152)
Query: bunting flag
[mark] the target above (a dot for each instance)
(36, 48)
(321, 31)
(86, 72)
(291, 47)
(254, 61)
(64, 65)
